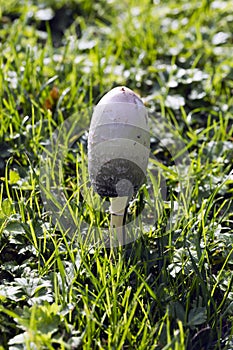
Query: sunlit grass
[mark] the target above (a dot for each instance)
(61, 287)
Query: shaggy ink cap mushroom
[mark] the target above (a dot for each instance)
(118, 144)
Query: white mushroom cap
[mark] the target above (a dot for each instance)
(118, 144)
(121, 94)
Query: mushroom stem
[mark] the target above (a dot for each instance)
(118, 211)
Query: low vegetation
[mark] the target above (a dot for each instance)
(171, 288)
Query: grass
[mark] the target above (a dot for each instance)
(172, 287)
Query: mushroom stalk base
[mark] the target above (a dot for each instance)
(117, 210)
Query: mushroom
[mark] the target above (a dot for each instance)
(118, 151)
